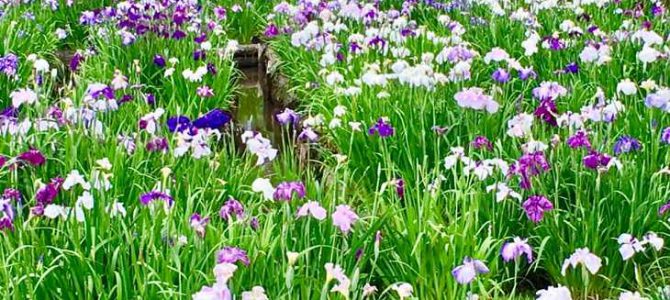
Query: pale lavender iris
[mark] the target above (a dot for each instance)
(466, 273)
(515, 249)
(288, 116)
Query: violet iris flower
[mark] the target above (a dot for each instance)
(232, 255)
(284, 191)
(382, 127)
(626, 144)
(535, 207)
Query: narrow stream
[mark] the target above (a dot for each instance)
(255, 108)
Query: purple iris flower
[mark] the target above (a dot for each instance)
(579, 140)
(157, 144)
(214, 119)
(211, 69)
(230, 208)
(515, 249)
(159, 61)
(595, 159)
(400, 188)
(10, 112)
(501, 75)
(199, 55)
(284, 191)
(151, 99)
(481, 142)
(271, 31)
(152, 196)
(664, 208)
(178, 35)
(626, 144)
(547, 112)
(665, 136)
(9, 64)
(467, 272)
(529, 165)
(527, 73)
(232, 255)
(33, 157)
(253, 223)
(288, 116)
(535, 207)
(572, 68)
(178, 123)
(382, 127)
(308, 134)
(48, 193)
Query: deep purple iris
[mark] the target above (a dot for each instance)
(33, 157)
(382, 127)
(178, 123)
(572, 68)
(152, 196)
(595, 159)
(159, 61)
(49, 192)
(271, 31)
(547, 111)
(10, 112)
(214, 119)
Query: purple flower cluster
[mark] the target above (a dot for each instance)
(33, 157)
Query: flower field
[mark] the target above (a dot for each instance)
(343, 149)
